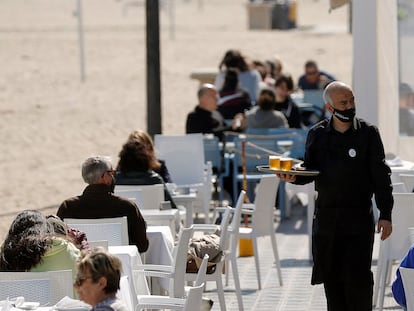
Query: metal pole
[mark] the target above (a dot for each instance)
(153, 68)
(81, 44)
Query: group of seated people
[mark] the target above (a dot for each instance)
(38, 243)
(35, 242)
(253, 95)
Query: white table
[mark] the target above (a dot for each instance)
(131, 259)
(156, 217)
(405, 167)
(161, 244)
(186, 200)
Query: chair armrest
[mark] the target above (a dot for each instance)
(205, 227)
(160, 302)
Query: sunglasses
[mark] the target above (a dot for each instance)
(81, 279)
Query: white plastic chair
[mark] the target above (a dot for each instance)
(50, 286)
(184, 157)
(395, 247)
(262, 220)
(408, 181)
(229, 252)
(407, 276)
(147, 196)
(127, 294)
(114, 230)
(191, 300)
(174, 272)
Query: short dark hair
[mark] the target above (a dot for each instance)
(285, 79)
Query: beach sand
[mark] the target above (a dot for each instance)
(51, 121)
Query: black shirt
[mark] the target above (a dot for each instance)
(352, 167)
(206, 122)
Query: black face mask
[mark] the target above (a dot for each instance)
(345, 115)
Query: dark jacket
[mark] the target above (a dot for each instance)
(291, 112)
(97, 201)
(206, 122)
(352, 168)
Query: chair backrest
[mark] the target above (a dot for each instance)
(408, 181)
(234, 226)
(254, 156)
(129, 192)
(98, 243)
(407, 276)
(297, 137)
(403, 218)
(212, 151)
(183, 155)
(127, 294)
(114, 230)
(313, 97)
(399, 187)
(194, 298)
(146, 196)
(50, 286)
(202, 270)
(180, 262)
(264, 202)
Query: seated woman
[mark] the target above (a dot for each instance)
(97, 281)
(263, 115)
(32, 245)
(134, 168)
(157, 165)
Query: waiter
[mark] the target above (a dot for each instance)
(349, 154)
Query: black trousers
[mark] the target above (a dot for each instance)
(347, 296)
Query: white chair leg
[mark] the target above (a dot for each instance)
(382, 285)
(256, 260)
(235, 272)
(276, 255)
(220, 292)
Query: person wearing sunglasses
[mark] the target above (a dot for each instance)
(314, 79)
(97, 280)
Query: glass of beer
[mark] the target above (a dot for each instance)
(274, 162)
(286, 164)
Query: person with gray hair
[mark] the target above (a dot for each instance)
(98, 201)
(349, 155)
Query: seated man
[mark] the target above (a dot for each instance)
(205, 118)
(98, 201)
(314, 79)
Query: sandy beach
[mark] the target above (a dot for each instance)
(51, 121)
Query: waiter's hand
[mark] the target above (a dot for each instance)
(385, 227)
(286, 177)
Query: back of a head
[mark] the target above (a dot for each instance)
(26, 242)
(142, 137)
(94, 167)
(135, 157)
(266, 99)
(233, 59)
(231, 80)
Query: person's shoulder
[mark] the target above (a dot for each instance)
(321, 125)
